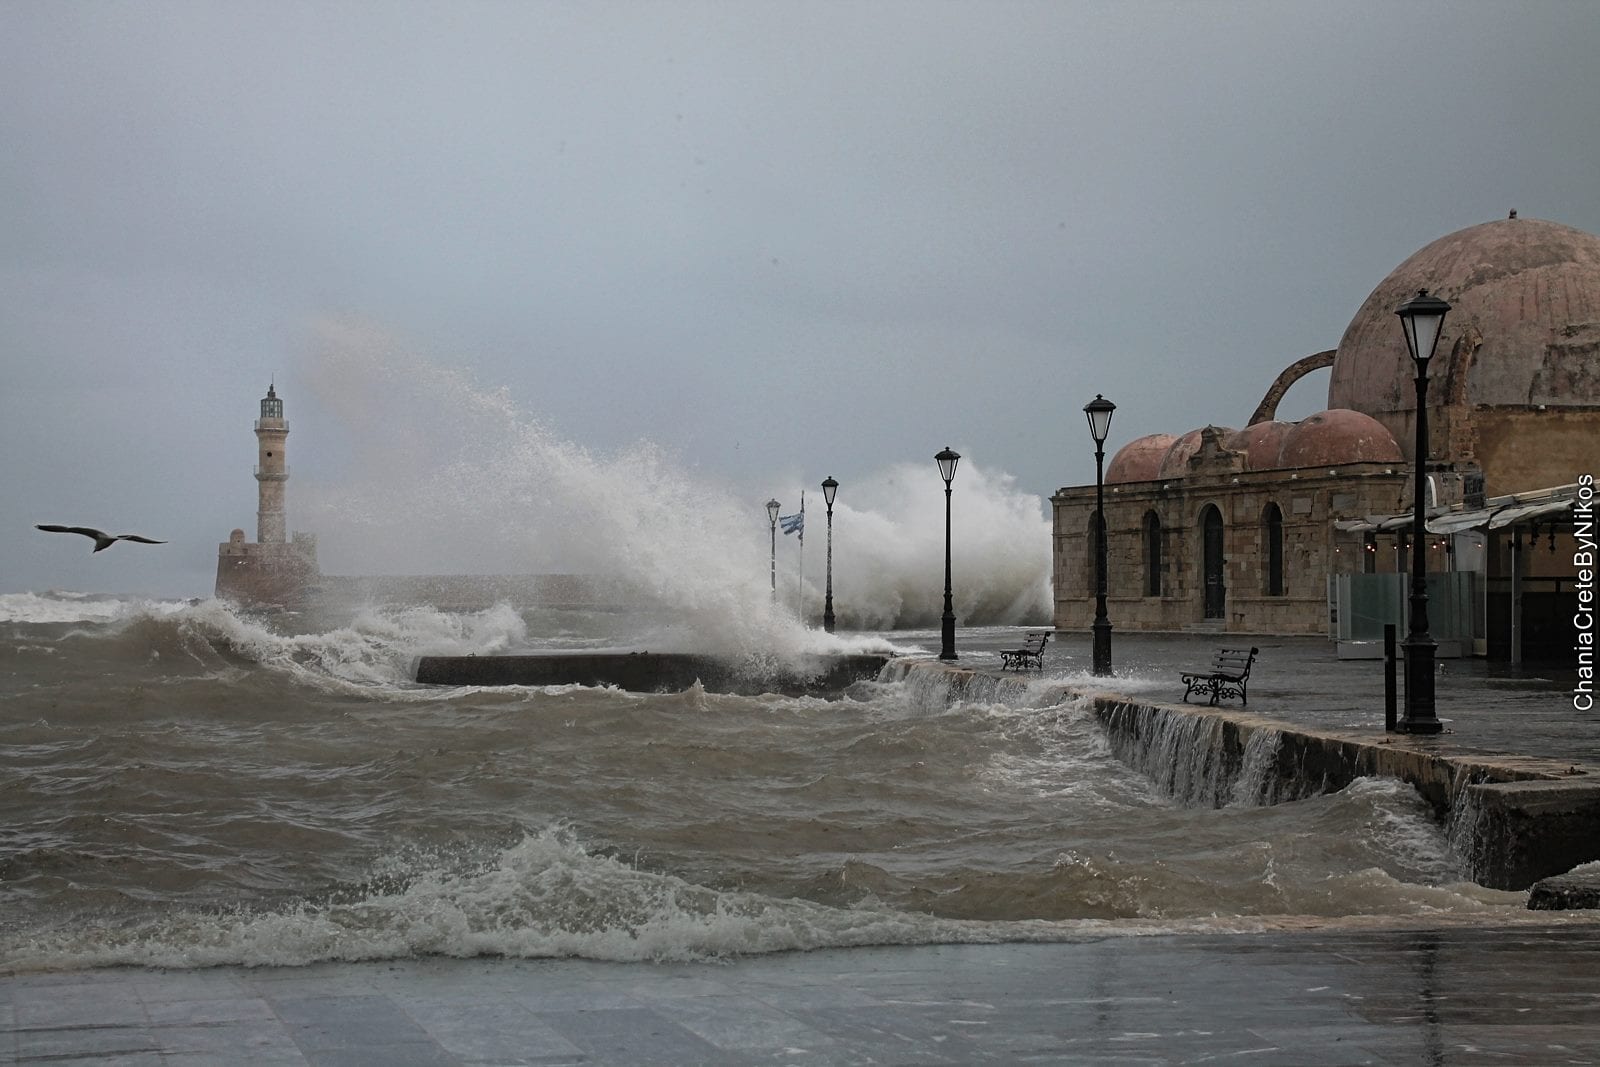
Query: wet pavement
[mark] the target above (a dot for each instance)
(1452, 996)
(1487, 708)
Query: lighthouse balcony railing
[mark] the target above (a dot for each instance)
(277, 424)
(273, 474)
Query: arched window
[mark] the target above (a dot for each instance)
(1152, 554)
(1272, 541)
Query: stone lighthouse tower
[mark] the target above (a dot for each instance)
(274, 570)
(272, 469)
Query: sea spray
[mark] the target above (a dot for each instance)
(476, 485)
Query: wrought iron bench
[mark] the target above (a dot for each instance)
(1228, 675)
(1031, 654)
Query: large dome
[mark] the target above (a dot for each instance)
(1525, 291)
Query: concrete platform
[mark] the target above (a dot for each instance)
(651, 672)
(1509, 995)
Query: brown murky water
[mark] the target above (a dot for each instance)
(184, 784)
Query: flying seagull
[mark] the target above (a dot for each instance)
(102, 540)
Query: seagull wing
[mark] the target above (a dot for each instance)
(141, 540)
(49, 527)
(100, 536)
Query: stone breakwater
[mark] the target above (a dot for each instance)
(650, 672)
(1512, 819)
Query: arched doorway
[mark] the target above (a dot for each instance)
(1272, 534)
(1152, 554)
(1216, 600)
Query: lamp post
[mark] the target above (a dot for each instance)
(829, 488)
(947, 623)
(1099, 412)
(773, 507)
(1422, 318)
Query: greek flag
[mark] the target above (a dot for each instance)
(795, 523)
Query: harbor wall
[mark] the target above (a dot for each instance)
(1512, 820)
(650, 672)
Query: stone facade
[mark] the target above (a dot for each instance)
(1156, 573)
(1513, 408)
(273, 574)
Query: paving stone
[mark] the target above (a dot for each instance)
(62, 1042)
(245, 1040)
(745, 1024)
(61, 1005)
(1522, 994)
(500, 1030)
(637, 1036)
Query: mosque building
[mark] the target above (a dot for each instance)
(1303, 527)
(272, 570)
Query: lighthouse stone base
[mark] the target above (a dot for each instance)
(267, 575)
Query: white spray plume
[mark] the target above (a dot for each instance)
(451, 478)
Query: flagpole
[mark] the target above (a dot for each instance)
(800, 589)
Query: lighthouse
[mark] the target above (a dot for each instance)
(272, 469)
(275, 569)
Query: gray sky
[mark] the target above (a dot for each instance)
(778, 240)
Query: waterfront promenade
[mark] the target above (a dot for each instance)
(1327, 997)
(1488, 708)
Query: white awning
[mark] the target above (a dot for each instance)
(1500, 512)
(1528, 513)
(1457, 523)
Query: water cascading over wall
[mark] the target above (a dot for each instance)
(1201, 760)
(1510, 820)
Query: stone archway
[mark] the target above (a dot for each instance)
(1267, 410)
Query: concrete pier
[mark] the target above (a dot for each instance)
(651, 672)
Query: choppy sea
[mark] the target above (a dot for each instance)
(184, 783)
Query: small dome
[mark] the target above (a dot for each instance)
(237, 537)
(1140, 459)
(1175, 464)
(1330, 438)
(1261, 443)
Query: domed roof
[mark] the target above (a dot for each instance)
(1260, 442)
(1329, 438)
(1521, 284)
(1140, 459)
(1175, 464)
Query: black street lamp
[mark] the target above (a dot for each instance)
(773, 507)
(1422, 318)
(947, 625)
(1099, 412)
(829, 488)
